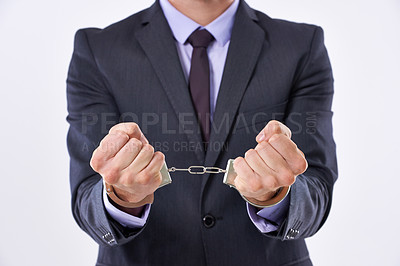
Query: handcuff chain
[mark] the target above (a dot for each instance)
(199, 170)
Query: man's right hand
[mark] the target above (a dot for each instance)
(127, 161)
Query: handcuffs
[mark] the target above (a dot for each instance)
(229, 179)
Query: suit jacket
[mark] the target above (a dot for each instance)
(130, 71)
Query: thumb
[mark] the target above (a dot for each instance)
(273, 127)
(132, 130)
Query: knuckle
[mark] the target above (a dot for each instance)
(131, 127)
(270, 183)
(119, 133)
(125, 181)
(95, 164)
(144, 178)
(127, 128)
(95, 161)
(130, 181)
(275, 126)
(135, 144)
(148, 148)
(276, 123)
(112, 175)
(238, 162)
(122, 135)
(276, 138)
(286, 178)
(250, 153)
(305, 165)
(103, 143)
(159, 157)
(255, 186)
(301, 165)
(114, 127)
(289, 132)
(263, 146)
(107, 145)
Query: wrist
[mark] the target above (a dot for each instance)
(268, 195)
(127, 196)
(138, 212)
(280, 195)
(120, 198)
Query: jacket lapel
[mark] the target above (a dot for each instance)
(246, 42)
(158, 43)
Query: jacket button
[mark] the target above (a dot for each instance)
(208, 221)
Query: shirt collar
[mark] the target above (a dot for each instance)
(182, 26)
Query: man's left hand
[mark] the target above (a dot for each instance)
(275, 162)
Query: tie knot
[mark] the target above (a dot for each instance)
(200, 38)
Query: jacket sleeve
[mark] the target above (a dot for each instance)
(92, 111)
(309, 116)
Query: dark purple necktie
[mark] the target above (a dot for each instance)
(199, 79)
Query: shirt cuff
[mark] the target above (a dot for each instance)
(124, 218)
(269, 219)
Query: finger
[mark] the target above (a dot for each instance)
(256, 163)
(271, 157)
(131, 129)
(242, 168)
(127, 154)
(302, 153)
(110, 145)
(245, 181)
(147, 178)
(154, 167)
(283, 172)
(142, 160)
(156, 163)
(289, 151)
(273, 127)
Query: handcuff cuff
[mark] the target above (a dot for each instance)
(229, 179)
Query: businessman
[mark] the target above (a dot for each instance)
(196, 83)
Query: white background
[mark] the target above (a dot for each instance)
(36, 42)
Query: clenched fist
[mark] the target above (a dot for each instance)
(274, 163)
(127, 161)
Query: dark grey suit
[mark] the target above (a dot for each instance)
(130, 71)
